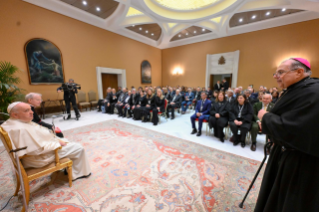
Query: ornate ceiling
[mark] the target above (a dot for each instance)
(169, 23)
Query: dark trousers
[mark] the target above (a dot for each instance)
(200, 121)
(172, 108)
(100, 103)
(155, 118)
(218, 124)
(69, 100)
(120, 109)
(110, 109)
(146, 113)
(138, 113)
(243, 131)
(129, 111)
(254, 132)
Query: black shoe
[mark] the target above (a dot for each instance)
(154, 124)
(69, 116)
(167, 116)
(243, 144)
(253, 147)
(82, 177)
(235, 143)
(222, 139)
(194, 131)
(172, 118)
(99, 110)
(199, 133)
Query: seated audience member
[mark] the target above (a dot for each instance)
(188, 99)
(106, 100)
(127, 105)
(240, 88)
(159, 106)
(275, 96)
(139, 106)
(166, 93)
(213, 98)
(217, 86)
(225, 85)
(209, 93)
(255, 95)
(260, 96)
(219, 113)
(34, 99)
(197, 96)
(230, 97)
(41, 142)
(109, 107)
(120, 102)
(236, 92)
(270, 90)
(174, 91)
(251, 100)
(132, 102)
(149, 105)
(203, 89)
(240, 118)
(201, 113)
(265, 104)
(119, 91)
(175, 102)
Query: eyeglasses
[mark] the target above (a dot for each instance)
(279, 73)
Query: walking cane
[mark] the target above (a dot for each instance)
(268, 145)
(20, 175)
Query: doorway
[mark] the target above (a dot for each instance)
(219, 77)
(109, 80)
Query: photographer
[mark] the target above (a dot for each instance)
(70, 89)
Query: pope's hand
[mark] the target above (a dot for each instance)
(62, 143)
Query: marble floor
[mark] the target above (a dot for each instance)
(179, 127)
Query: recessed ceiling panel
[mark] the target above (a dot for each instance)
(244, 18)
(185, 4)
(190, 32)
(152, 31)
(100, 8)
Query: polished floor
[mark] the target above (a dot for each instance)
(179, 127)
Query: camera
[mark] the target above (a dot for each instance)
(70, 86)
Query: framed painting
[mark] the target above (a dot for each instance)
(44, 62)
(146, 72)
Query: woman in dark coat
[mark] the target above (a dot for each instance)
(219, 113)
(139, 106)
(149, 105)
(159, 105)
(240, 118)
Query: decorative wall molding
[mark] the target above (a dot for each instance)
(229, 65)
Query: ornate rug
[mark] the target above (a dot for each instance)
(138, 170)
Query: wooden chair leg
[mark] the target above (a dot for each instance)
(18, 186)
(70, 175)
(27, 193)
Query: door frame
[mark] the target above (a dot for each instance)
(121, 78)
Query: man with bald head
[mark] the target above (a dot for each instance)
(41, 142)
(256, 127)
(34, 100)
(290, 181)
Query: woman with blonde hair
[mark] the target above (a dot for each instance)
(159, 105)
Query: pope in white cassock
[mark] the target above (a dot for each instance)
(41, 142)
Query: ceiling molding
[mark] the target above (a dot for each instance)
(217, 22)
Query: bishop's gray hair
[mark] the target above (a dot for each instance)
(31, 96)
(297, 65)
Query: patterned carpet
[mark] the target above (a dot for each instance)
(138, 170)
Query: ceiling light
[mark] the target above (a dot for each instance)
(179, 35)
(140, 28)
(187, 33)
(253, 17)
(84, 2)
(146, 31)
(283, 9)
(203, 30)
(133, 25)
(98, 9)
(152, 34)
(268, 13)
(194, 31)
(241, 20)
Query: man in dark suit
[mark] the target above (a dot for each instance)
(197, 96)
(106, 100)
(120, 102)
(69, 97)
(225, 85)
(175, 102)
(265, 104)
(250, 99)
(209, 93)
(230, 97)
(217, 86)
(188, 100)
(133, 101)
(119, 92)
(201, 113)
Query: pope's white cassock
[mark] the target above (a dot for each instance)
(41, 143)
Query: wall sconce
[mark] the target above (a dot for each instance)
(177, 71)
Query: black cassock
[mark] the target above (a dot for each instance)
(291, 178)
